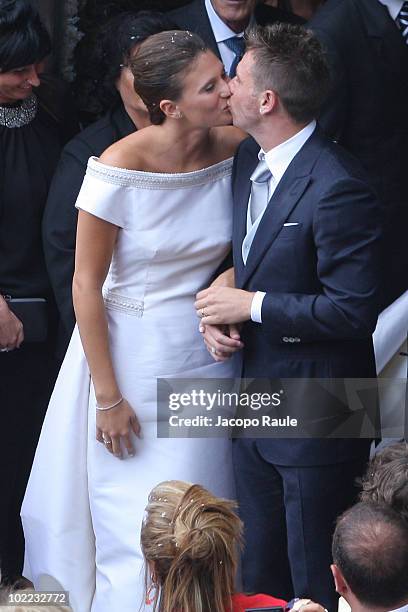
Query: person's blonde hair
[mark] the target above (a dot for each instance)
(190, 542)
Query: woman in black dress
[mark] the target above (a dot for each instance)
(30, 142)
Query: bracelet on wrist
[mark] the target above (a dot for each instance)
(119, 401)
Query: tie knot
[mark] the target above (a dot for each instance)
(236, 44)
(261, 174)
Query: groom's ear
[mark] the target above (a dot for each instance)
(170, 109)
(268, 102)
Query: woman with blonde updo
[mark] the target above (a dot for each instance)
(190, 541)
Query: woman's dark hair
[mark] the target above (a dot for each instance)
(158, 66)
(102, 55)
(23, 38)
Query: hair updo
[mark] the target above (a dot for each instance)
(190, 539)
(158, 67)
(23, 38)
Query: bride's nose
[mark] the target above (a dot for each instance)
(225, 92)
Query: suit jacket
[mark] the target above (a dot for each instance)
(320, 277)
(194, 17)
(367, 112)
(60, 216)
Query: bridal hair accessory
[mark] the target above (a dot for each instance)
(151, 594)
(110, 406)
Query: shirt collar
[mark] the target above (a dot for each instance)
(393, 6)
(220, 29)
(403, 609)
(279, 158)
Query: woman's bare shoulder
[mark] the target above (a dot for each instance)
(127, 153)
(228, 138)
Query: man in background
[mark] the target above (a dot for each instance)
(370, 559)
(221, 24)
(366, 113)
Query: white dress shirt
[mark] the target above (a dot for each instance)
(221, 32)
(344, 607)
(278, 160)
(393, 6)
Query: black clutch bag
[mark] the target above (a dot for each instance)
(32, 312)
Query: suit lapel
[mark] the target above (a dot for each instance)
(290, 190)
(283, 201)
(383, 32)
(203, 26)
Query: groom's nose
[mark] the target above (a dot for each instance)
(231, 85)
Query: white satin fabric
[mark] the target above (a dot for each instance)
(83, 507)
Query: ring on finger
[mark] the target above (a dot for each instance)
(213, 350)
(107, 441)
(202, 312)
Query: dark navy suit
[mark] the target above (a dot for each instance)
(367, 113)
(321, 281)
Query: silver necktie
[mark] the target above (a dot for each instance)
(259, 190)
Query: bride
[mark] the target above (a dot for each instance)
(155, 223)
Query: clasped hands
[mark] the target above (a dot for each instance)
(222, 309)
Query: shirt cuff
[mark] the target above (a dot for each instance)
(256, 307)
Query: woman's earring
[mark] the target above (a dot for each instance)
(179, 115)
(151, 594)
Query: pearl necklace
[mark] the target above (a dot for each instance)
(17, 116)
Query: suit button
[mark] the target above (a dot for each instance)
(285, 339)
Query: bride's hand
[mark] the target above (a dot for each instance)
(115, 425)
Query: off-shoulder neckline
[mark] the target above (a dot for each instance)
(163, 180)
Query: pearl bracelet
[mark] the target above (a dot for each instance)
(111, 406)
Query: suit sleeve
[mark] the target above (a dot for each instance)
(59, 227)
(347, 236)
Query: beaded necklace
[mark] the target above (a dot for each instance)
(20, 115)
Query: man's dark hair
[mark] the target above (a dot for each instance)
(290, 60)
(23, 38)
(159, 65)
(370, 547)
(386, 479)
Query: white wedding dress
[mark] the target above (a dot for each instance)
(83, 507)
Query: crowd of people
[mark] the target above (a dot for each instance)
(238, 209)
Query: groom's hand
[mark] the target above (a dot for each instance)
(223, 305)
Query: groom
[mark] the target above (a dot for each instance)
(306, 241)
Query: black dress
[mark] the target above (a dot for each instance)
(60, 217)
(28, 157)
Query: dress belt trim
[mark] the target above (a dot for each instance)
(123, 303)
